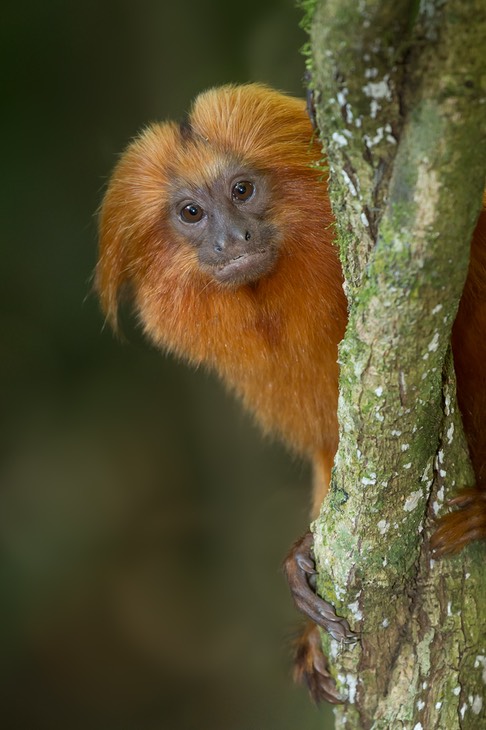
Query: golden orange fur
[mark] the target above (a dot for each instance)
(274, 342)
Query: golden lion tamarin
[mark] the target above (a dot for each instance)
(222, 228)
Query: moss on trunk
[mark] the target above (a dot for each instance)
(400, 91)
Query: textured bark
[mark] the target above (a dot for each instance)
(400, 92)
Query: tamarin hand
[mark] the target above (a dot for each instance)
(300, 571)
(222, 229)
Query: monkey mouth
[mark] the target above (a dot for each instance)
(245, 268)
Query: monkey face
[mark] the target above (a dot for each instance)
(226, 220)
(225, 199)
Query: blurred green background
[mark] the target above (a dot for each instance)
(143, 520)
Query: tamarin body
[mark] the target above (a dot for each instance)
(222, 228)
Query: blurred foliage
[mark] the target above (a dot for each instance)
(142, 518)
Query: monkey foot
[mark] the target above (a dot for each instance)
(300, 570)
(310, 667)
(456, 529)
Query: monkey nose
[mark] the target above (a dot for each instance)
(234, 241)
(234, 245)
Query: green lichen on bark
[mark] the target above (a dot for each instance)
(400, 90)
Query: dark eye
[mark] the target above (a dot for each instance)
(191, 213)
(242, 190)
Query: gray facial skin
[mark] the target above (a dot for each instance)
(226, 221)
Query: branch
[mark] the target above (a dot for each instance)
(398, 93)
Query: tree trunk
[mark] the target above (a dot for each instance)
(400, 94)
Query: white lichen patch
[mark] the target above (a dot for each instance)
(456, 691)
(438, 462)
(412, 500)
(383, 527)
(396, 433)
(420, 705)
(476, 704)
(428, 472)
(350, 681)
(358, 368)
(334, 647)
(437, 309)
(385, 623)
(408, 465)
(450, 433)
(438, 503)
(355, 610)
(382, 133)
(404, 447)
(378, 89)
(374, 108)
(339, 139)
(340, 591)
(341, 96)
(418, 726)
(379, 391)
(370, 73)
(370, 480)
(364, 219)
(438, 705)
(447, 405)
(480, 661)
(463, 709)
(351, 186)
(428, 8)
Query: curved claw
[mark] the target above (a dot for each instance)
(311, 667)
(299, 567)
(460, 527)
